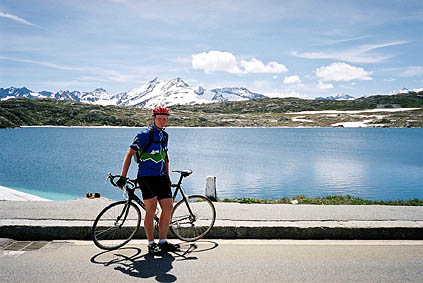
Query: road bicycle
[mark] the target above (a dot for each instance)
(192, 217)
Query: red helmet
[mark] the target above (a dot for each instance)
(161, 110)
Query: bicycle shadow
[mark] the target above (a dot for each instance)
(132, 262)
(188, 250)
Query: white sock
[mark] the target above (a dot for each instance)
(150, 243)
(162, 241)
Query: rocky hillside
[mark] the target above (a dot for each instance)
(267, 112)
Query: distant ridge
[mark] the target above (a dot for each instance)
(162, 92)
(337, 97)
(156, 92)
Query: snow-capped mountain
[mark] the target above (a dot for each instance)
(17, 92)
(151, 94)
(337, 97)
(98, 96)
(158, 92)
(404, 90)
(234, 94)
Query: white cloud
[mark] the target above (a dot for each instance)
(227, 62)
(16, 18)
(347, 56)
(342, 72)
(47, 64)
(257, 66)
(354, 55)
(337, 41)
(322, 85)
(292, 80)
(215, 61)
(100, 74)
(413, 71)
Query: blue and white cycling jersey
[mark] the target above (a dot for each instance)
(152, 159)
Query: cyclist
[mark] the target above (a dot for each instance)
(153, 178)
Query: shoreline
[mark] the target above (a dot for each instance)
(357, 124)
(293, 115)
(7, 194)
(392, 110)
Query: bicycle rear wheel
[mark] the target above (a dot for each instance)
(116, 225)
(192, 219)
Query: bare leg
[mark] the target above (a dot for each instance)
(167, 207)
(150, 211)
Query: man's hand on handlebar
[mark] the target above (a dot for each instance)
(121, 182)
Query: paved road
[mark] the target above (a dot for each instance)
(219, 261)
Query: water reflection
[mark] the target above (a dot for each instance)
(340, 176)
(275, 163)
(264, 163)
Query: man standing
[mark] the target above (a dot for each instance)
(150, 150)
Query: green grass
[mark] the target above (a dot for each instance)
(329, 200)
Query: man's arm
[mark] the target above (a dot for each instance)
(127, 161)
(167, 167)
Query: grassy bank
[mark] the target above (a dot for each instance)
(329, 200)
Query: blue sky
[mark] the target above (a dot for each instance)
(281, 48)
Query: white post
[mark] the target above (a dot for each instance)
(211, 187)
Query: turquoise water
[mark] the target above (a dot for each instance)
(378, 164)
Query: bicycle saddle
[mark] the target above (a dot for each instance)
(184, 173)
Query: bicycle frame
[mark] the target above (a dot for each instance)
(133, 197)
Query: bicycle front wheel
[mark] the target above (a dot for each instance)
(116, 225)
(192, 218)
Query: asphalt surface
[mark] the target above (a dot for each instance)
(217, 261)
(62, 220)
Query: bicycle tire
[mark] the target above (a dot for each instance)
(109, 232)
(188, 228)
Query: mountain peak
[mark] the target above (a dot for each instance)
(100, 90)
(234, 93)
(155, 92)
(178, 82)
(155, 80)
(342, 96)
(14, 92)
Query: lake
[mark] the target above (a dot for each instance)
(269, 163)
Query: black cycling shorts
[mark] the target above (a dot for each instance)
(154, 186)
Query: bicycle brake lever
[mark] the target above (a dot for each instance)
(125, 193)
(108, 176)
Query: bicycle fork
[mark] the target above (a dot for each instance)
(123, 214)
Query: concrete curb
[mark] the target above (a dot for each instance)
(304, 230)
(317, 233)
(72, 220)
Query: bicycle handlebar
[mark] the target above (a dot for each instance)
(110, 177)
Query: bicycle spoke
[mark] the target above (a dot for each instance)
(116, 225)
(193, 219)
(103, 231)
